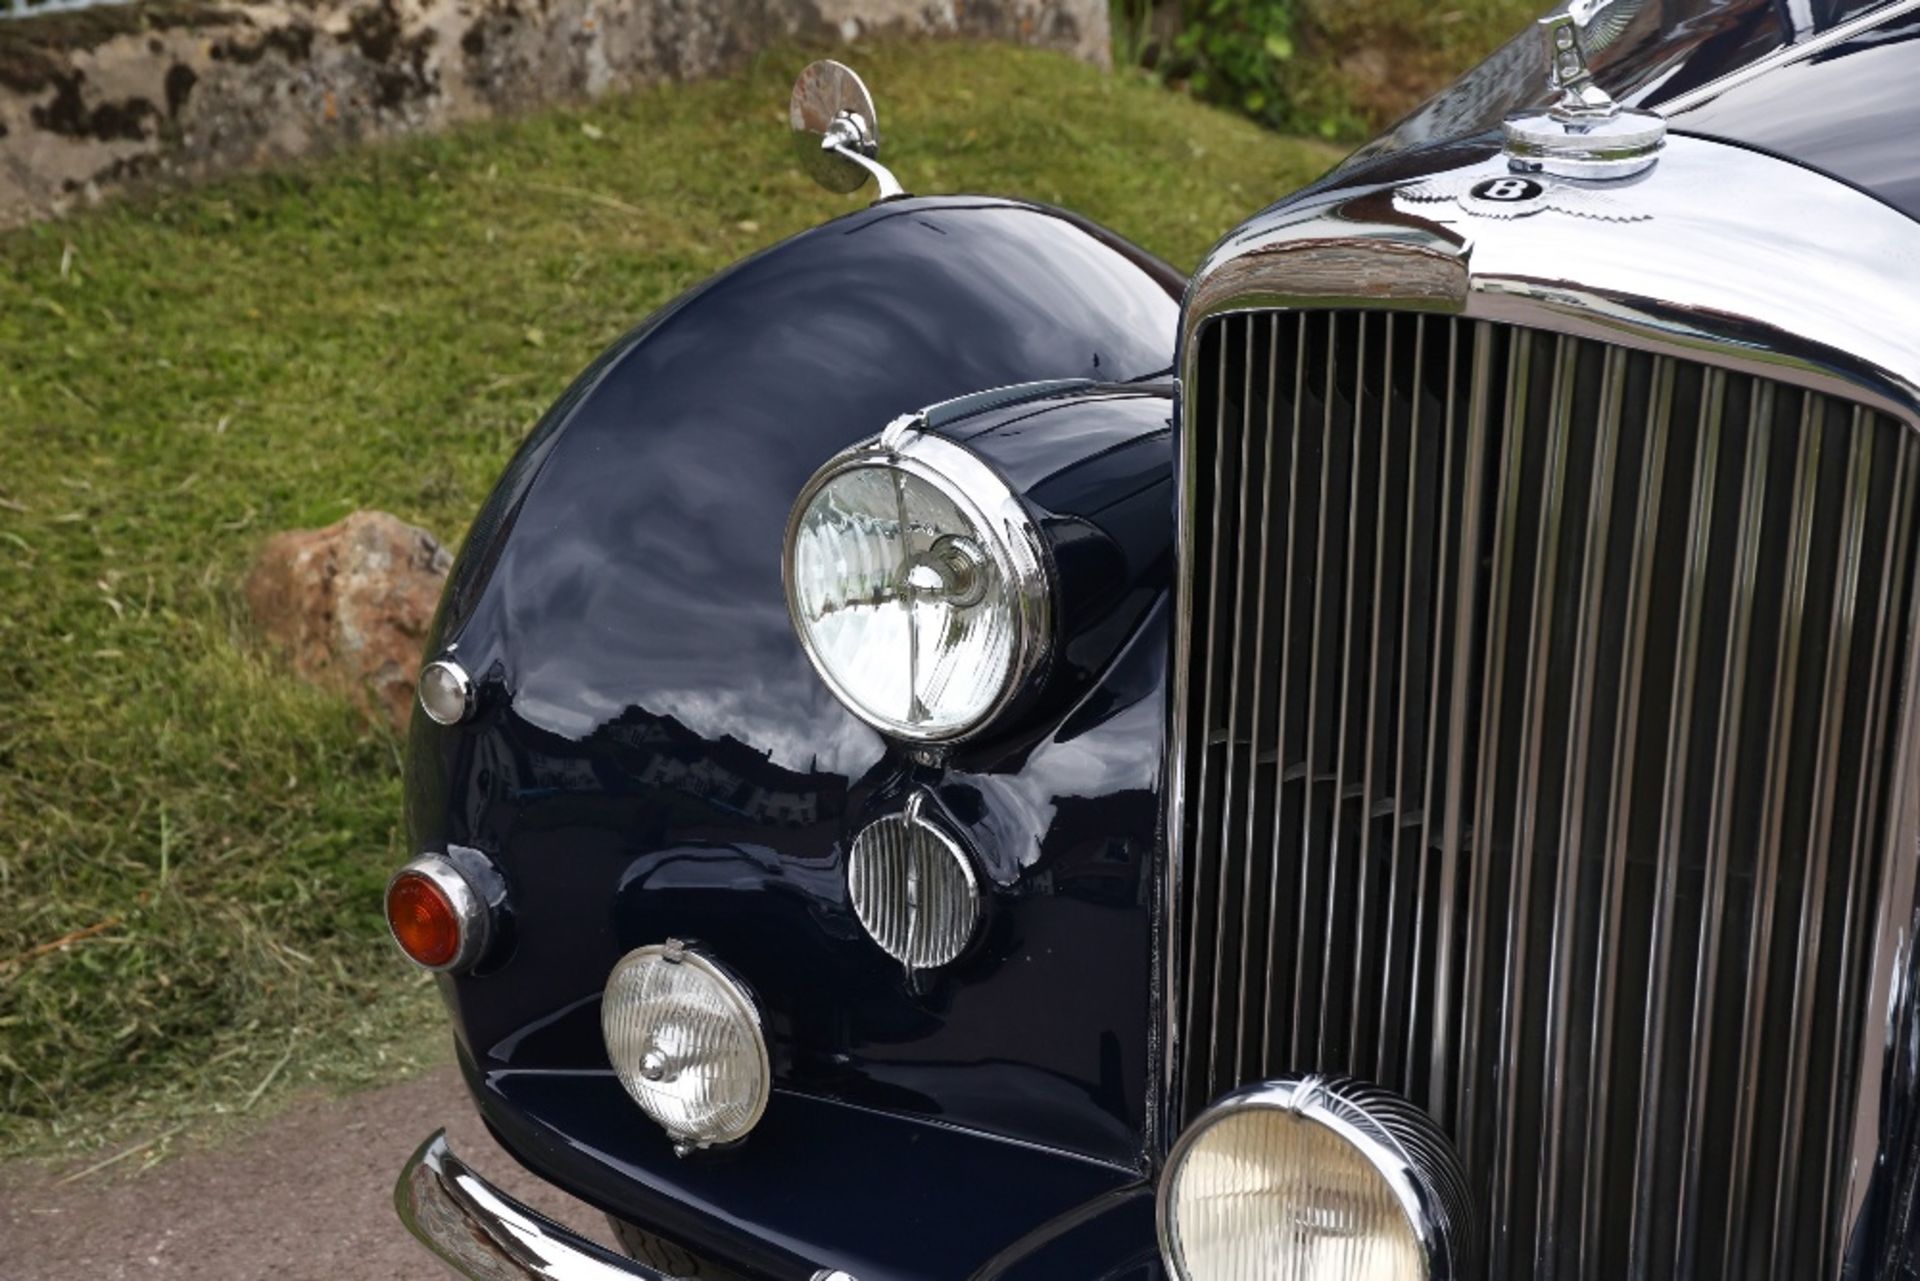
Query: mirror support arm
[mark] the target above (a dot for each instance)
(843, 139)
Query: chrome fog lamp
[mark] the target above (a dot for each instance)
(1315, 1179)
(686, 1040)
(917, 584)
(913, 888)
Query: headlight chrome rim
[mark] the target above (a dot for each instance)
(1398, 1140)
(1011, 540)
(746, 1007)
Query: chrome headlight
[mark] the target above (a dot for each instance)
(1315, 1179)
(918, 585)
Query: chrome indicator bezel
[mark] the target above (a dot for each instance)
(469, 909)
(461, 682)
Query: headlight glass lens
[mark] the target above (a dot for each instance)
(686, 1042)
(1266, 1193)
(910, 609)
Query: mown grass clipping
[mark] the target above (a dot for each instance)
(192, 844)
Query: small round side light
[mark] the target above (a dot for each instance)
(435, 915)
(446, 692)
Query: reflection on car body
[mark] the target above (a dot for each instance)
(1394, 756)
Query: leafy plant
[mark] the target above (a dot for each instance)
(1339, 68)
(1237, 52)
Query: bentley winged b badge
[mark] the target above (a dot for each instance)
(1517, 195)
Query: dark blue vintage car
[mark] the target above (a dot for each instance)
(956, 752)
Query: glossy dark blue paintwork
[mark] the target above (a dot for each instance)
(653, 756)
(1850, 111)
(821, 1184)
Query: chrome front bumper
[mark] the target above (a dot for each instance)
(482, 1233)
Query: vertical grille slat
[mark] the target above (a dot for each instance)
(1671, 832)
(1343, 704)
(1268, 1058)
(1811, 917)
(1878, 713)
(1355, 996)
(1250, 989)
(1556, 1116)
(1225, 981)
(1773, 803)
(1386, 1032)
(1539, 653)
(1479, 402)
(1539, 728)
(1727, 739)
(1430, 779)
(1473, 1111)
(1303, 1010)
(1614, 824)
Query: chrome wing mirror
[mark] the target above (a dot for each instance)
(836, 131)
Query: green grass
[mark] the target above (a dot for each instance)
(181, 376)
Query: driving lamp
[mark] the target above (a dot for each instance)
(917, 584)
(685, 1039)
(1315, 1179)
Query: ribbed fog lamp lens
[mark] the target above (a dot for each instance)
(1314, 1179)
(913, 888)
(685, 1040)
(916, 583)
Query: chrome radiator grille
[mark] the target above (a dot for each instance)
(1539, 714)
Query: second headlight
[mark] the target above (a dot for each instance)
(918, 585)
(1316, 1179)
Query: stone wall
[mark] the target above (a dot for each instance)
(95, 100)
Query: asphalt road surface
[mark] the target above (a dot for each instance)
(307, 1197)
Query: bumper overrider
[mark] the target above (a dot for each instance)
(481, 1232)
